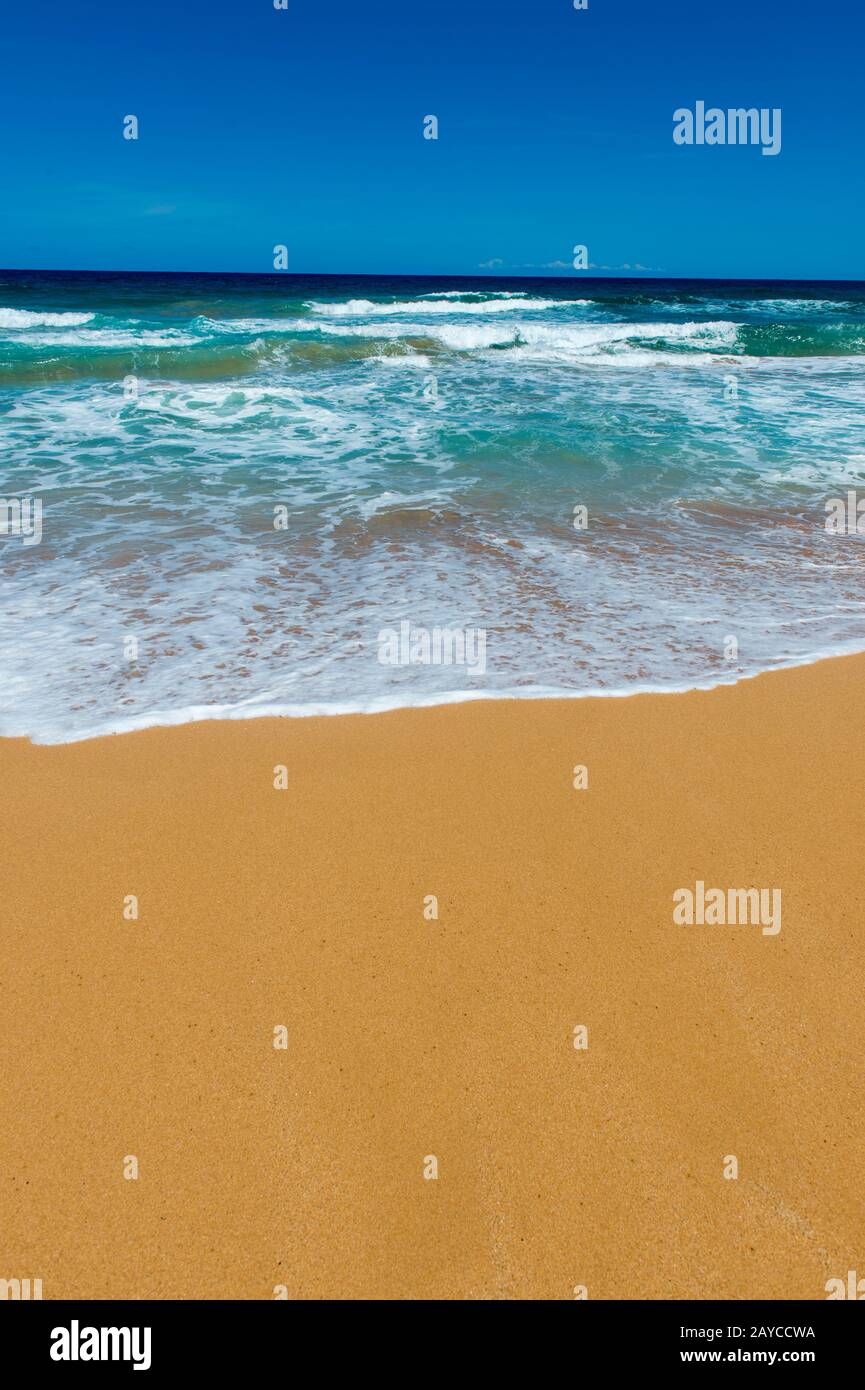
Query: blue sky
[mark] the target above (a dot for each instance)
(304, 127)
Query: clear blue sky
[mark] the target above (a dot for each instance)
(304, 127)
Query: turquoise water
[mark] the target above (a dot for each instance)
(429, 442)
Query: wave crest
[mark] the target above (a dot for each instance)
(445, 304)
(27, 318)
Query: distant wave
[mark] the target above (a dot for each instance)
(774, 306)
(480, 294)
(447, 304)
(26, 318)
(68, 336)
(60, 345)
(787, 308)
(563, 342)
(558, 338)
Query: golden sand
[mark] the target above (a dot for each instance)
(407, 1037)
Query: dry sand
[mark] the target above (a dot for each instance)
(557, 1167)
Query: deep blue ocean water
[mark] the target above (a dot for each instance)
(425, 444)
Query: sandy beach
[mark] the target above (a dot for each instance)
(409, 1037)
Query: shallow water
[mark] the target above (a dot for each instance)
(429, 442)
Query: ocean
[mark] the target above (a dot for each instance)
(246, 481)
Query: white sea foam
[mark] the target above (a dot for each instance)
(68, 336)
(479, 294)
(27, 318)
(784, 306)
(243, 327)
(774, 308)
(562, 342)
(366, 308)
(572, 342)
(48, 735)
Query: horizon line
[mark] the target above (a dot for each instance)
(576, 277)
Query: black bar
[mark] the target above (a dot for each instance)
(222, 1338)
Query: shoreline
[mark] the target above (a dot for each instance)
(302, 1167)
(233, 714)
